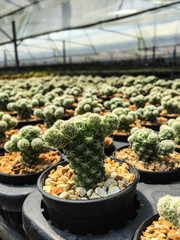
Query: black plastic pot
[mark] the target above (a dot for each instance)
(154, 127)
(109, 149)
(156, 177)
(120, 137)
(144, 225)
(17, 179)
(25, 123)
(90, 216)
(169, 116)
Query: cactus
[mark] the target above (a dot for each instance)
(129, 81)
(108, 90)
(29, 142)
(75, 91)
(40, 99)
(86, 105)
(169, 208)
(176, 84)
(166, 133)
(126, 117)
(154, 98)
(23, 107)
(115, 103)
(131, 92)
(50, 114)
(147, 145)
(172, 105)
(170, 92)
(139, 101)
(175, 125)
(149, 113)
(4, 100)
(6, 123)
(65, 101)
(82, 139)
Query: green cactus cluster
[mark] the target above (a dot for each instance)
(6, 123)
(108, 90)
(171, 105)
(166, 133)
(154, 98)
(4, 100)
(40, 99)
(129, 81)
(29, 142)
(130, 92)
(139, 101)
(50, 114)
(82, 140)
(65, 101)
(149, 113)
(147, 145)
(176, 84)
(175, 125)
(115, 103)
(126, 117)
(169, 208)
(74, 91)
(23, 107)
(87, 105)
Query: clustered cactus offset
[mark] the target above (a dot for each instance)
(29, 142)
(126, 117)
(169, 208)
(82, 139)
(86, 105)
(115, 103)
(147, 145)
(23, 107)
(172, 105)
(50, 114)
(175, 125)
(139, 101)
(149, 113)
(6, 123)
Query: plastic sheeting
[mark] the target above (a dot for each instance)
(121, 39)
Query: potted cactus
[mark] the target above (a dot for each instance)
(171, 106)
(152, 154)
(115, 103)
(127, 119)
(165, 224)
(23, 107)
(174, 128)
(82, 140)
(7, 125)
(26, 157)
(50, 114)
(4, 101)
(86, 105)
(149, 117)
(107, 91)
(138, 102)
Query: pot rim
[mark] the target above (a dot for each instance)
(89, 201)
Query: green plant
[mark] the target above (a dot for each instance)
(66, 101)
(129, 81)
(6, 123)
(170, 92)
(147, 145)
(175, 125)
(172, 105)
(82, 139)
(169, 208)
(86, 105)
(176, 84)
(131, 92)
(23, 107)
(115, 103)
(29, 142)
(126, 117)
(154, 98)
(40, 99)
(50, 114)
(4, 100)
(149, 113)
(108, 90)
(139, 101)
(75, 91)
(166, 133)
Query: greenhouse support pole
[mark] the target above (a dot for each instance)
(64, 52)
(5, 59)
(153, 57)
(173, 62)
(15, 45)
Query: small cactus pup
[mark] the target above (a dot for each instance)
(115, 103)
(29, 142)
(82, 139)
(171, 105)
(139, 101)
(6, 123)
(126, 118)
(175, 125)
(50, 114)
(168, 208)
(86, 105)
(4, 100)
(149, 114)
(147, 145)
(23, 107)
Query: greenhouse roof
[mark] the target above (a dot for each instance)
(93, 29)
